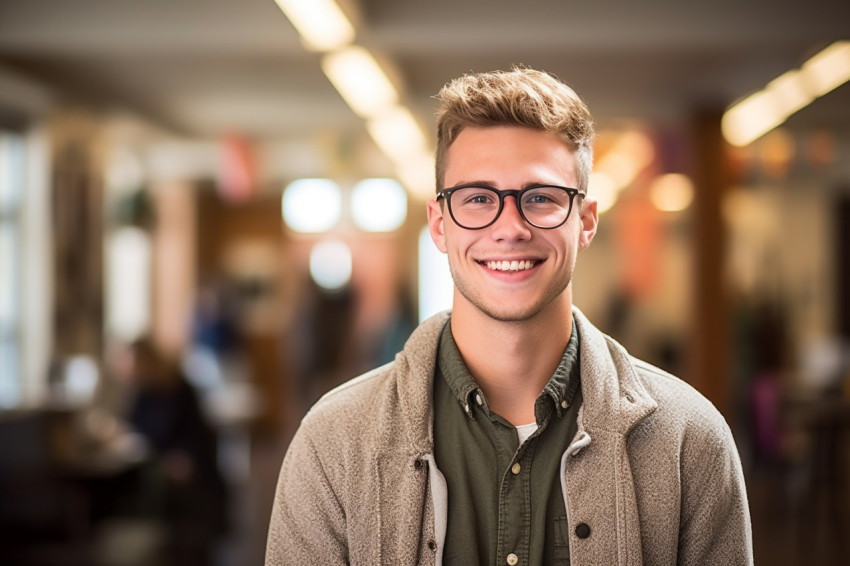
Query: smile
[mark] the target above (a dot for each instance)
(513, 265)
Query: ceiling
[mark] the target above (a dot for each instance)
(201, 68)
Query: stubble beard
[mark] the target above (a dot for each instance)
(504, 312)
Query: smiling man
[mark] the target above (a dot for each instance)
(511, 430)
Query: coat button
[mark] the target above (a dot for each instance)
(582, 530)
(432, 545)
(417, 464)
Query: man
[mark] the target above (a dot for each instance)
(511, 431)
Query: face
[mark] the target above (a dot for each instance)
(512, 271)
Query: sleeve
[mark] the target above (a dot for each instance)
(307, 524)
(715, 521)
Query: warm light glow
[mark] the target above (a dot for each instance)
(763, 111)
(749, 119)
(397, 134)
(638, 146)
(378, 205)
(671, 192)
(602, 188)
(330, 264)
(626, 159)
(619, 167)
(360, 81)
(417, 174)
(829, 69)
(311, 205)
(321, 23)
(790, 92)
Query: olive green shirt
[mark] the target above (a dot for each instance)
(505, 503)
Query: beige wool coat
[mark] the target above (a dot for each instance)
(653, 475)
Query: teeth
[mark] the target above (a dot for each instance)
(510, 265)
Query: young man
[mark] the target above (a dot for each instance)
(511, 431)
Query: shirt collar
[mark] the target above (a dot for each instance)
(561, 387)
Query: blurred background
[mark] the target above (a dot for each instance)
(211, 212)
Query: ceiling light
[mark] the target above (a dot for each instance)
(829, 69)
(754, 116)
(378, 205)
(791, 91)
(321, 23)
(360, 80)
(397, 134)
(311, 205)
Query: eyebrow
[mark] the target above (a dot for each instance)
(492, 184)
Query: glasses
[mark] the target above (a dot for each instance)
(474, 206)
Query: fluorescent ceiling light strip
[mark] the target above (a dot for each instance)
(759, 113)
(397, 134)
(791, 92)
(321, 23)
(360, 81)
(830, 68)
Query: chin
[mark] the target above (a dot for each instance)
(510, 313)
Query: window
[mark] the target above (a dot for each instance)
(11, 181)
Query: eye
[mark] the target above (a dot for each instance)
(537, 198)
(479, 199)
(475, 196)
(546, 197)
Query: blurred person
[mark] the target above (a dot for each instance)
(511, 430)
(182, 485)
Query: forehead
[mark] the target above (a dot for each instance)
(510, 155)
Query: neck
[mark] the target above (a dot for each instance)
(512, 361)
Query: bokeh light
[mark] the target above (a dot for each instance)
(378, 205)
(330, 264)
(311, 205)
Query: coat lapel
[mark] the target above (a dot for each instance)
(598, 482)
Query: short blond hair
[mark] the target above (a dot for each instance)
(519, 97)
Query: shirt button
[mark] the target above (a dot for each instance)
(582, 530)
(478, 399)
(515, 469)
(512, 559)
(565, 405)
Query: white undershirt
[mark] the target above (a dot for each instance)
(524, 431)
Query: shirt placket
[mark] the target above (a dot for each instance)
(515, 501)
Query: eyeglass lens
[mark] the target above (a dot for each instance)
(476, 207)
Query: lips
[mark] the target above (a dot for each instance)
(510, 265)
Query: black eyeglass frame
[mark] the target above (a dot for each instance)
(516, 193)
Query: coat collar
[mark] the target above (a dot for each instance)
(614, 397)
(414, 368)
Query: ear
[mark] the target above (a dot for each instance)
(589, 220)
(435, 224)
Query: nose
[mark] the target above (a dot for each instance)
(510, 225)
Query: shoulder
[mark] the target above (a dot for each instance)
(674, 394)
(684, 414)
(352, 402)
